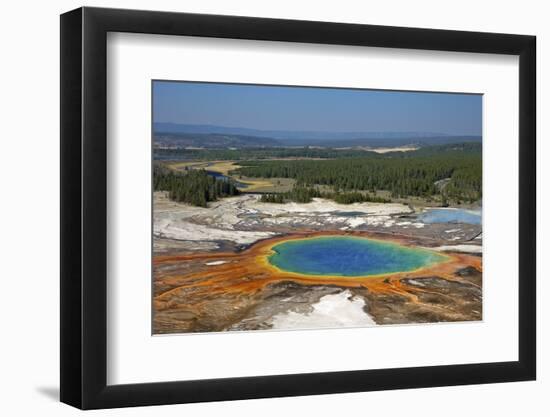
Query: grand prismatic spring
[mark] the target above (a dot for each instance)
(390, 279)
(349, 256)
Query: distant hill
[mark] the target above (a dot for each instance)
(211, 136)
(207, 140)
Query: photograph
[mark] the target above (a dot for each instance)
(301, 207)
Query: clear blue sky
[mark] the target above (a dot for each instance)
(315, 109)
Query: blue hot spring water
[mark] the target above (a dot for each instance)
(349, 256)
(451, 215)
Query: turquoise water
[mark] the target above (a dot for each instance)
(348, 256)
(445, 215)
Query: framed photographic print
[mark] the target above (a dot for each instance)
(258, 207)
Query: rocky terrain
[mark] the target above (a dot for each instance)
(209, 273)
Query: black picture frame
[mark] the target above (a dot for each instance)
(84, 207)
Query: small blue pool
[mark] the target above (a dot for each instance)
(450, 215)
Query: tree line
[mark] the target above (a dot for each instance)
(194, 187)
(307, 194)
(401, 176)
(230, 154)
(256, 153)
